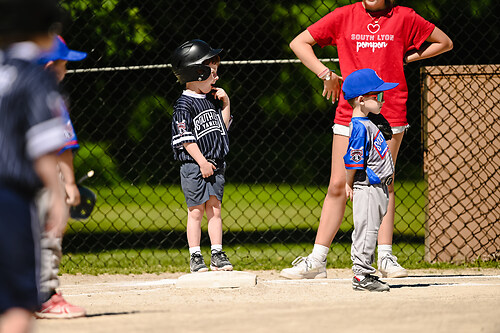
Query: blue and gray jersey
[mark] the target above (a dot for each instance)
(368, 152)
(30, 117)
(197, 119)
(69, 132)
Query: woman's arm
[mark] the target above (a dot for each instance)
(437, 42)
(302, 46)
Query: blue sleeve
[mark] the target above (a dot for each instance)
(358, 148)
(182, 127)
(69, 133)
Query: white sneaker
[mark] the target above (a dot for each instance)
(388, 266)
(305, 268)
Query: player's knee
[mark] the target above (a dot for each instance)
(196, 212)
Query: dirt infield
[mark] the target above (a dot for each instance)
(427, 301)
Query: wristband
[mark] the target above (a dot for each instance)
(323, 73)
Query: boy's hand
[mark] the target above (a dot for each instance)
(72, 194)
(207, 169)
(331, 88)
(348, 191)
(221, 95)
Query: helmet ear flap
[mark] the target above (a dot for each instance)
(192, 73)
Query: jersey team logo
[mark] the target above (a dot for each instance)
(181, 126)
(356, 155)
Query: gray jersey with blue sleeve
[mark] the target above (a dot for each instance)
(368, 152)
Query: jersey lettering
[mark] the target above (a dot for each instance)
(380, 145)
(206, 122)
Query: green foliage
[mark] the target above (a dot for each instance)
(94, 156)
(115, 22)
(145, 114)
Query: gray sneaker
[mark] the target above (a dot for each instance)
(220, 262)
(197, 264)
(305, 268)
(370, 283)
(388, 266)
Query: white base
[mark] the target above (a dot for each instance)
(217, 279)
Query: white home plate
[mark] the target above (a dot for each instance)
(218, 279)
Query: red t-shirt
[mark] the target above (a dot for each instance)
(362, 43)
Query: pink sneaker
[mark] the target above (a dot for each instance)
(58, 308)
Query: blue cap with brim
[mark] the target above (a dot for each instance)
(60, 51)
(363, 81)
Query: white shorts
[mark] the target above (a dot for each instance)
(344, 130)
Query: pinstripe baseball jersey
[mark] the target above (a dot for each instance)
(368, 151)
(30, 122)
(197, 119)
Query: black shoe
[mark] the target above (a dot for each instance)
(197, 264)
(370, 283)
(220, 262)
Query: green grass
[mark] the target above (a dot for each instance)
(243, 257)
(258, 207)
(257, 210)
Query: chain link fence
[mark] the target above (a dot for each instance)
(121, 100)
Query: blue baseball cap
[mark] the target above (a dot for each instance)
(60, 51)
(362, 82)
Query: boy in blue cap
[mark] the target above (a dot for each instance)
(31, 132)
(369, 169)
(54, 305)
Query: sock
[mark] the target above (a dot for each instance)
(359, 277)
(194, 249)
(383, 250)
(320, 252)
(216, 248)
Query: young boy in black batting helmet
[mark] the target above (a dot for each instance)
(31, 132)
(200, 142)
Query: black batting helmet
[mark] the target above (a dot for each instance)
(187, 61)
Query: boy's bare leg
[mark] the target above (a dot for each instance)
(218, 260)
(16, 320)
(387, 263)
(213, 207)
(195, 215)
(193, 230)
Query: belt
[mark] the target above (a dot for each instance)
(218, 162)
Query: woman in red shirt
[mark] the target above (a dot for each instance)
(372, 34)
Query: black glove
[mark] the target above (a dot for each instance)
(87, 203)
(382, 124)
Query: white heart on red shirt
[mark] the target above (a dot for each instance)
(373, 28)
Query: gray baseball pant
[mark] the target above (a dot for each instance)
(368, 208)
(51, 249)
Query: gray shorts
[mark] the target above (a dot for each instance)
(197, 189)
